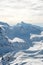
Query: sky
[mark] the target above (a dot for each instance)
(15, 11)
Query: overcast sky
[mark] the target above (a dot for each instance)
(13, 11)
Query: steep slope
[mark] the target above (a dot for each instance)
(31, 56)
(4, 43)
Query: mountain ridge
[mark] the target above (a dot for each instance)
(21, 41)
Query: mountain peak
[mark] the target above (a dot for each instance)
(3, 24)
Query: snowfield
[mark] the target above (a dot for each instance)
(35, 35)
(37, 46)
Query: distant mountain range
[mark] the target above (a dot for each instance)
(23, 39)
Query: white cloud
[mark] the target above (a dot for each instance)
(17, 10)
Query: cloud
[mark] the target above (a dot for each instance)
(37, 7)
(21, 9)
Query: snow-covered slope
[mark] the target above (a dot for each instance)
(16, 39)
(21, 44)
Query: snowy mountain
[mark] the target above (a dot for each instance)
(21, 44)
